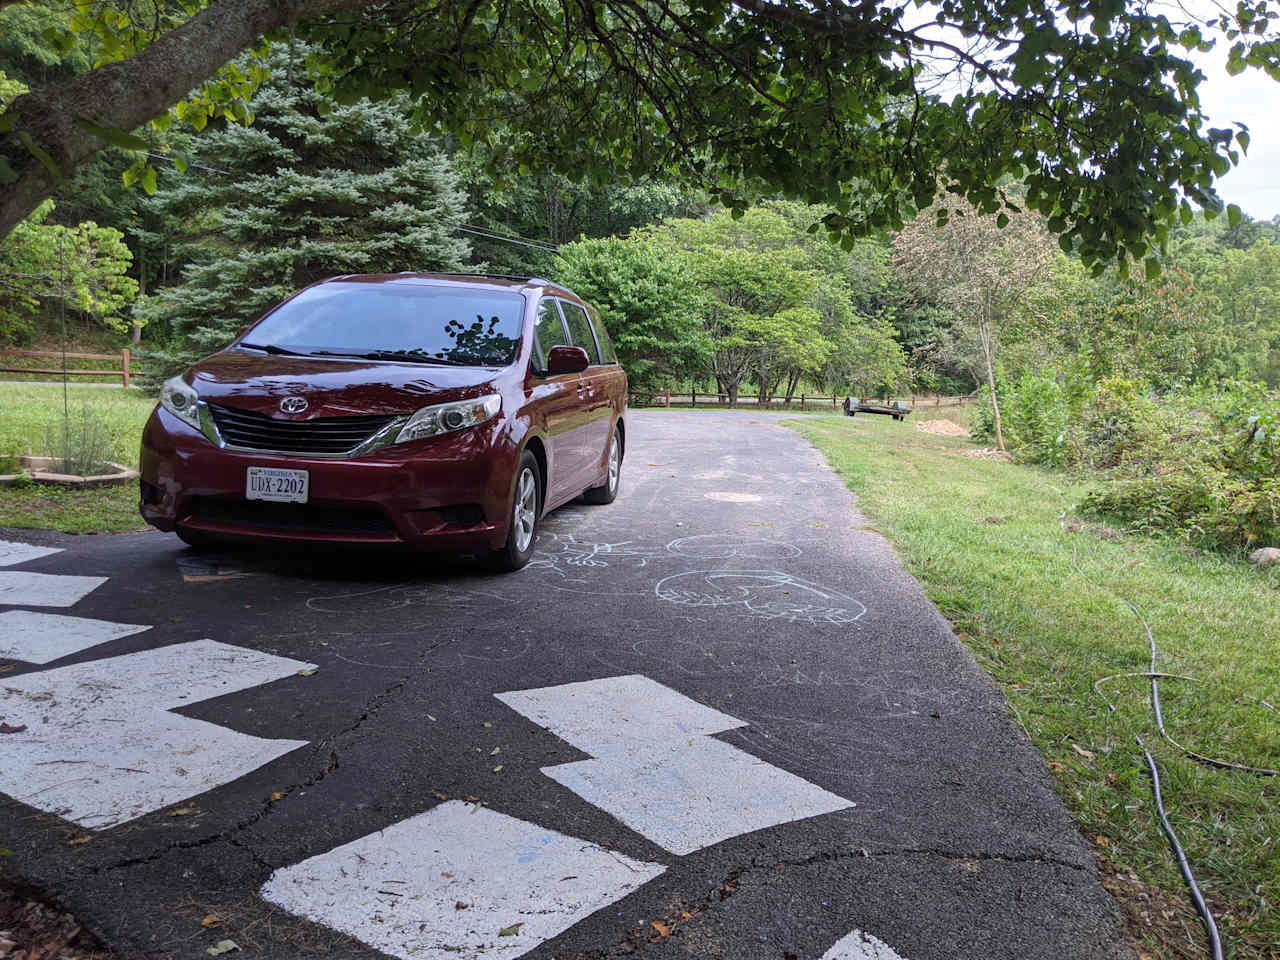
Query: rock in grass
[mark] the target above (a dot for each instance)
(1265, 556)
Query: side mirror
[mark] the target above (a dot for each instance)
(566, 359)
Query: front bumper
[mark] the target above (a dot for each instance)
(451, 492)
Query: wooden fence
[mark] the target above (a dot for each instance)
(124, 358)
(666, 398)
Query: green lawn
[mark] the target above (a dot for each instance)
(997, 547)
(27, 412)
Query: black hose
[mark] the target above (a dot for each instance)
(1215, 944)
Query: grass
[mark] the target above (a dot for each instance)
(26, 411)
(1037, 596)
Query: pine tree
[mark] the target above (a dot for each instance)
(312, 189)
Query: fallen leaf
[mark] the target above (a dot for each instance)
(79, 840)
(277, 796)
(5, 728)
(431, 718)
(442, 796)
(460, 905)
(1102, 841)
(1057, 767)
(182, 812)
(447, 876)
(662, 928)
(685, 916)
(486, 724)
(510, 931)
(310, 672)
(5, 852)
(1087, 754)
(495, 751)
(210, 919)
(221, 947)
(497, 768)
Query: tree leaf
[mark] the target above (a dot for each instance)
(510, 931)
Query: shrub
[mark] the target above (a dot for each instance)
(79, 445)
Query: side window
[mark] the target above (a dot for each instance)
(548, 332)
(602, 337)
(575, 319)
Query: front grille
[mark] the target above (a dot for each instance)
(327, 435)
(303, 517)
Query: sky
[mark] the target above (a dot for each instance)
(1252, 98)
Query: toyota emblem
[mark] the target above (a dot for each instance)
(293, 404)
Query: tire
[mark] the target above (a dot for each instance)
(194, 540)
(522, 519)
(607, 492)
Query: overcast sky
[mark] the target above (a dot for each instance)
(1252, 98)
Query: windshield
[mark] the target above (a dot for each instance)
(396, 321)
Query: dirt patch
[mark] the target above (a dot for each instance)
(1155, 915)
(31, 930)
(984, 453)
(942, 428)
(1100, 530)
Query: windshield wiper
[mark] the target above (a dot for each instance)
(272, 348)
(413, 356)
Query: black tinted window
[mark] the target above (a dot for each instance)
(548, 332)
(397, 320)
(602, 337)
(580, 329)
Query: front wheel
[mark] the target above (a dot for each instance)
(522, 521)
(607, 492)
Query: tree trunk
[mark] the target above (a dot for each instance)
(125, 95)
(793, 381)
(984, 334)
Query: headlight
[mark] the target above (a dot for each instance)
(180, 398)
(447, 417)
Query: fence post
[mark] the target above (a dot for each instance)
(124, 365)
(802, 401)
(833, 404)
(667, 395)
(693, 396)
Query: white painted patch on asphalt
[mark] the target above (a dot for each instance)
(733, 496)
(656, 768)
(860, 946)
(45, 589)
(101, 747)
(11, 552)
(448, 882)
(45, 637)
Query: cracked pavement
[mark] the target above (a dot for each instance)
(733, 569)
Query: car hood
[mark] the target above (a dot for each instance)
(332, 387)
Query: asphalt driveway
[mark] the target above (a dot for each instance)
(714, 719)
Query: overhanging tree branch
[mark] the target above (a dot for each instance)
(45, 144)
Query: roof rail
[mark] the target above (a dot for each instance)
(498, 276)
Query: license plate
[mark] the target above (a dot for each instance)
(273, 483)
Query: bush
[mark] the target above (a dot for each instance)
(1204, 464)
(80, 446)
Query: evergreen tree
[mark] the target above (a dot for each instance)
(310, 190)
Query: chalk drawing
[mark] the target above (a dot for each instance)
(101, 747)
(860, 946)
(457, 881)
(379, 600)
(767, 594)
(724, 546)
(11, 552)
(45, 637)
(45, 589)
(656, 768)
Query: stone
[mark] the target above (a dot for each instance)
(1265, 556)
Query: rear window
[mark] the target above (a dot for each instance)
(602, 336)
(575, 319)
(397, 321)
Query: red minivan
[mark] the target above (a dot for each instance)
(437, 411)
